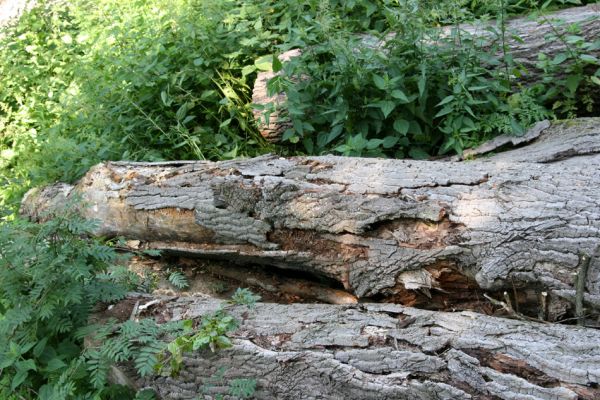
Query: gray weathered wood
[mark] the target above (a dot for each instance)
(384, 351)
(415, 232)
(534, 34)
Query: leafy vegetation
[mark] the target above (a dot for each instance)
(425, 92)
(51, 279)
(85, 81)
(172, 80)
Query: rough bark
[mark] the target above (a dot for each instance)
(533, 34)
(428, 233)
(383, 351)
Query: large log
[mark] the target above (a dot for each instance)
(428, 233)
(526, 38)
(381, 351)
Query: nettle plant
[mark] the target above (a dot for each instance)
(418, 93)
(412, 91)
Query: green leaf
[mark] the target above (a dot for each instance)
(18, 379)
(399, 94)
(390, 141)
(386, 107)
(418, 154)
(422, 83)
(572, 82)
(444, 111)
(264, 63)
(248, 69)
(55, 364)
(379, 82)
(308, 145)
(517, 128)
(374, 143)
(595, 80)
(588, 58)
(446, 100)
(277, 65)
(335, 132)
(401, 126)
(559, 58)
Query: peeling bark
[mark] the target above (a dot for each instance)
(533, 34)
(389, 229)
(384, 351)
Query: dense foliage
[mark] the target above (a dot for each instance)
(51, 279)
(85, 81)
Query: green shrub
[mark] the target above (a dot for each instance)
(51, 278)
(421, 94)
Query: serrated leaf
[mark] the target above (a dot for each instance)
(335, 132)
(374, 143)
(55, 364)
(277, 65)
(444, 111)
(559, 58)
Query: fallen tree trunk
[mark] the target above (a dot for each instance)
(382, 351)
(427, 233)
(526, 38)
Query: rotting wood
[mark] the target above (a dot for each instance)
(301, 288)
(383, 351)
(382, 228)
(532, 31)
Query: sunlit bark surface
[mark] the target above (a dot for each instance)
(426, 233)
(383, 351)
